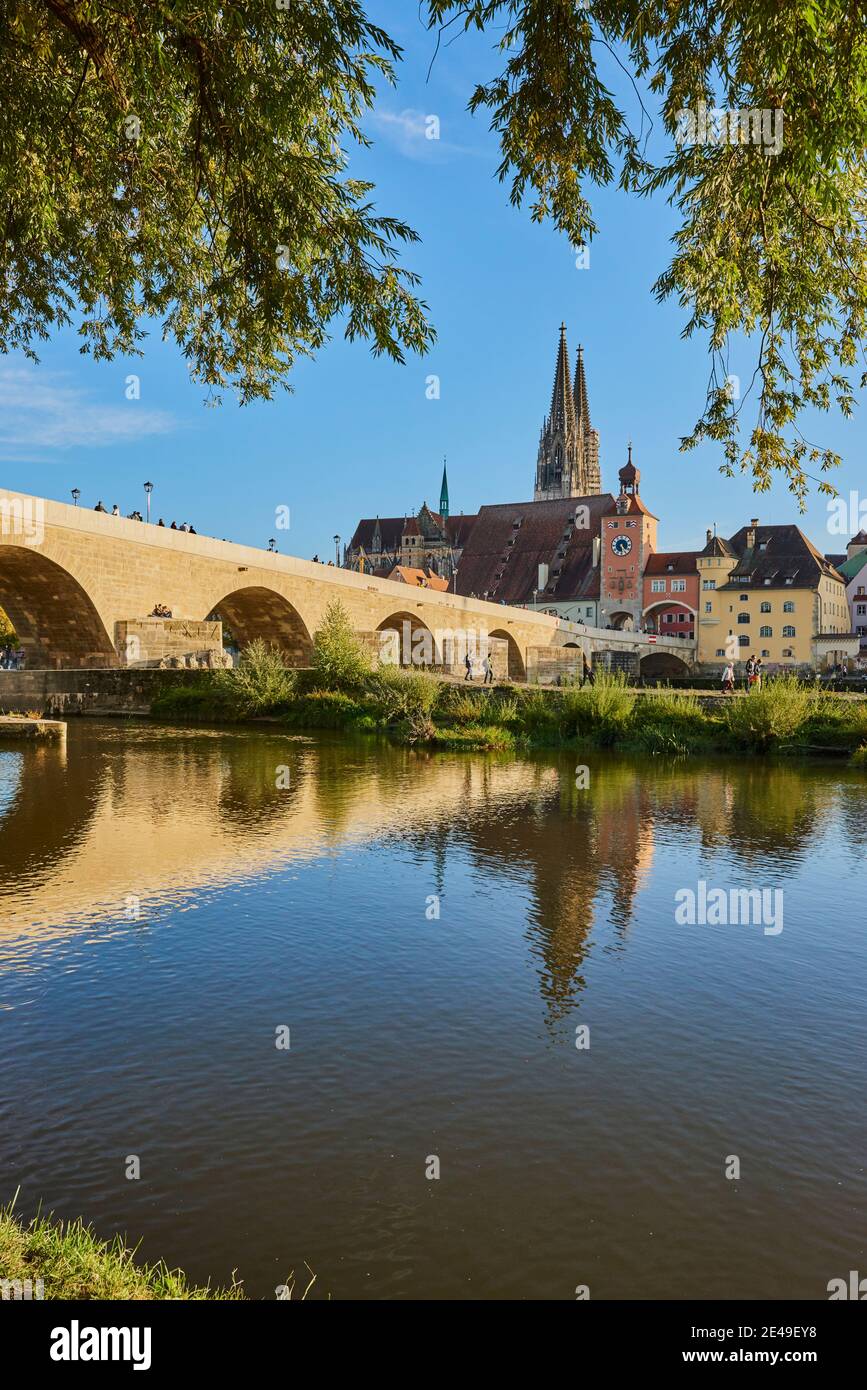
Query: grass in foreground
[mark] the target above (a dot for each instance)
(74, 1263)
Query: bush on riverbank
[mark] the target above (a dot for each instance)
(340, 662)
(770, 716)
(341, 691)
(259, 684)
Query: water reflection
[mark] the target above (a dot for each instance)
(163, 814)
(305, 903)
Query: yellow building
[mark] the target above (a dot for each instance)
(768, 592)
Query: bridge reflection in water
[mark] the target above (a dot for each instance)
(132, 819)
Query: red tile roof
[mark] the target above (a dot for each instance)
(419, 579)
(509, 542)
(672, 562)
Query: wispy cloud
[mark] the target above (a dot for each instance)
(42, 414)
(418, 135)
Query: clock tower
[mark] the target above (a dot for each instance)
(627, 538)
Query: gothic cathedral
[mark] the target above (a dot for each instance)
(568, 462)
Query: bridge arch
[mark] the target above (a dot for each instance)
(517, 668)
(56, 621)
(622, 621)
(659, 665)
(255, 612)
(417, 644)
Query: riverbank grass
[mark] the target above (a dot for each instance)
(342, 691)
(72, 1262)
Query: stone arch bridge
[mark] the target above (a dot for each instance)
(76, 584)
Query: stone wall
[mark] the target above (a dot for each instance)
(65, 693)
(152, 641)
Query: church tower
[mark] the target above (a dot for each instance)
(444, 495)
(568, 460)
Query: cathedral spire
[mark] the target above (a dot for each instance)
(568, 460)
(562, 404)
(582, 409)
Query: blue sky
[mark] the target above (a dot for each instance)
(359, 435)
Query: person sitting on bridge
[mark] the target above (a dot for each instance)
(161, 522)
(115, 511)
(99, 507)
(174, 526)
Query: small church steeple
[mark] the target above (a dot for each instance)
(444, 494)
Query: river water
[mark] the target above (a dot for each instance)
(428, 937)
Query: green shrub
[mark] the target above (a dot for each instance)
(202, 702)
(460, 705)
(772, 715)
(259, 684)
(340, 662)
(403, 694)
(538, 715)
(600, 711)
(325, 709)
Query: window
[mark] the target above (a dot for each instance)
(766, 632)
(861, 609)
(787, 651)
(743, 641)
(678, 586)
(788, 606)
(788, 632)
(708, 583)
(743, 617)
(765, 651)
(708, 608)
(720, 651)
(744, 598)
(630, 523)
(657, 586)
(612, 525)
(764, 607)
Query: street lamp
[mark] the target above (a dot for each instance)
(535, 593)
(337, 551)
(76, 493)
(148, 487)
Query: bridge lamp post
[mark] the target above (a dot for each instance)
(148, 487)
(76, 493)
(337, 551)
(535, 596)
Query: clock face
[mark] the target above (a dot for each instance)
(621, 545)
